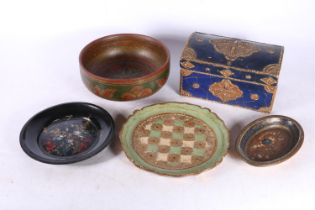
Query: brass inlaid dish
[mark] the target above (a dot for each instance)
(269, 140)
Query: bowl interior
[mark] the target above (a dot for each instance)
(270, 139)
(124, 56)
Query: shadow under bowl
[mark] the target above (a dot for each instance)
(124, 67)
(67, 133)
(270, 140)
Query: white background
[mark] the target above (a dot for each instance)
(39, 46)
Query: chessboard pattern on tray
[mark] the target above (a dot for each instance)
(174, 141)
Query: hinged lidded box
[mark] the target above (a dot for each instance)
(231, 71)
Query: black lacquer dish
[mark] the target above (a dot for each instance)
(270, 140)
(67, 133)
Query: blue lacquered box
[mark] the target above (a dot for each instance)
(231, 71)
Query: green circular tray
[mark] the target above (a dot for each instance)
(174, 139)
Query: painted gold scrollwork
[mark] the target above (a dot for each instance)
(189, 54)
(187, 65)
(225, 90)
(270, 89)
(226, 73)
(233, 49)
(272, 69)
(185, 72)
(269, 82)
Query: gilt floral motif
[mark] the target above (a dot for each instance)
(185, 72)
(233, 49)
(225, 90)
(272, 69)
(226, 73)
(187, 64)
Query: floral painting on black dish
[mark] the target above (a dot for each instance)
(67, 133)
(68, 136)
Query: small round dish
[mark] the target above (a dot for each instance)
(270, 140)
(174, 139)
(124, 67)
(67, 133)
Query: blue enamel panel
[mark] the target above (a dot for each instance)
(204, 81)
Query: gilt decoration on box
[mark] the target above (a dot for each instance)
(232, 71)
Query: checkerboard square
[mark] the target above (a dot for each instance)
(159, 121)
(175, 150)
(200, 137)
(173, 158)
(189, 136)
(144, 140)
(164, 149)
(176, 142)
(186, 150)
(189, 130)
(167, 128)
(166, 134)
(199, 130)
(168, 122)
(178, 129)
(176, 135)
(185, 158)
(178, 122)
(145, 132)
(152, 148)
(148, 126)
(188, 144)
(189, 123)
(198, 151)
(161, 157)
(153, 140)
(154, 133)
(200, 144)
(164, 141)
(156, 127)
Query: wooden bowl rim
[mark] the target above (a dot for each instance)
(109, 80)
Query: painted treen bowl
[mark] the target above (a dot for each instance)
(270, 140)
(67, 133)
(124, 67)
